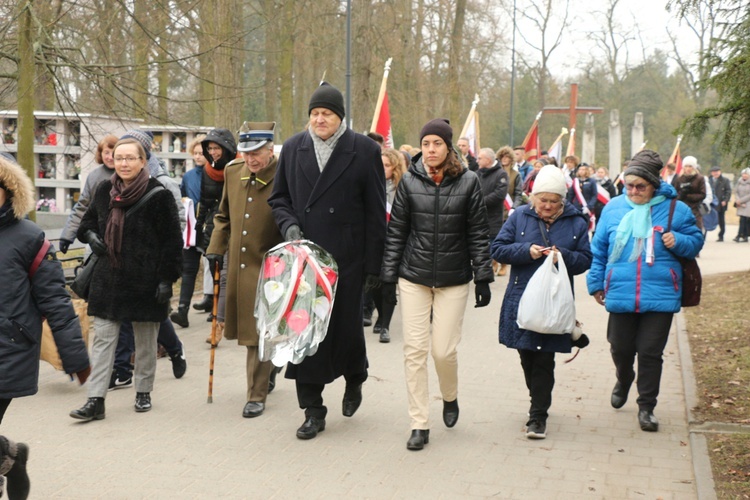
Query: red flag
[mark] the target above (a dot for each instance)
(531, 142)
(676, 158)
(383, 126)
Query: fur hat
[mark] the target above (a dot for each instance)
(440, 127)
(18, 186)
(647, 165)
(145, 138)
(550, 179)
(329, 97)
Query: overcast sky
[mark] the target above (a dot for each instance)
(650, 17)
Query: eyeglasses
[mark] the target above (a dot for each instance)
(211, 149)
(636, 187)
(127, 159)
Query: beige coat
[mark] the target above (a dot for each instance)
(245, 226)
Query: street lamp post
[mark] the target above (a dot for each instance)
(513, 76)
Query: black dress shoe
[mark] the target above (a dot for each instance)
(648, 421)
(272, 378)
(418, 439)
(92, 410)
(180, 317)
(206, 305)
(450, 412)
(619, 395)
(352, 400)
(253, 409)
(311, 428)
(385, 336)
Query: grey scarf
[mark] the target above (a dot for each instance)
(323, 149)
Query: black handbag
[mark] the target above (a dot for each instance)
(83, 275)
(692, 281)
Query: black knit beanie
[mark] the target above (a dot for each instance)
(646, 164)
(327, 96)
(440, 127)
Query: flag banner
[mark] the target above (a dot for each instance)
(571, 151)
(383, 126)
(555, 151)
(531, 141)
(508, 202)
(471, 133)
(675, 158)
(602, 195)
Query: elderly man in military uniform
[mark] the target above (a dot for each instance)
(245, 226)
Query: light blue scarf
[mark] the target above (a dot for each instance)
(637, 225)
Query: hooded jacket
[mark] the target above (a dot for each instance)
(438, 235)
(33, 294)
(636, 286)
(211, 190)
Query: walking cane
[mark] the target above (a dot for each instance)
(214, 323)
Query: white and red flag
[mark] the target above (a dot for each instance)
(531, 141)
(381, 119)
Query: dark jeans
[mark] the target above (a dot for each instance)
(126, 344)
(539, 372)
(722, 221)
(385, 310)
(742, 233)
(310, 396)
(3, 406)
(645, 335)
(191, 259)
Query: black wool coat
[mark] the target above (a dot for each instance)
(494, 182)
(151, 253)
(343, 210)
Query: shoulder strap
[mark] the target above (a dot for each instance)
(144, 199)
(671, 214)
(39, 257)
(543, 230)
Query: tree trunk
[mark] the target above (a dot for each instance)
(454, 62)
(272, 61)
(140, 63)
(286, 63)
(26, 70)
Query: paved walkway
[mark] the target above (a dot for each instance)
(186, 448)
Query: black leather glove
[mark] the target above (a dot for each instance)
(163, 292)
(483, 294)
(96, 243)
(293, 233)
(372, 281)
(64, 245)
(389, 293)
(214, 259)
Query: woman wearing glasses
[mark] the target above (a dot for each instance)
(133, 226)
(637, 276)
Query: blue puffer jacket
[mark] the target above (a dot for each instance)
(637, 286)
(569, 234)
(190, 185)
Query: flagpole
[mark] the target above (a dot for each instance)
(471, 114)
(571, 151)
(531, 130)
(676, 149)
(563, 132)
(381, 94)
(476, 125)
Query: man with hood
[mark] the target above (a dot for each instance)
(330, 189)
(34, 289)
(244, 223)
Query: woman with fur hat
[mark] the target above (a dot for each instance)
(438, 242)
(28, 262)
(548, 223)
(636, 274)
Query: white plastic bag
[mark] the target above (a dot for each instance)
(547, 304)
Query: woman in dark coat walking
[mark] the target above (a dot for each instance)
(134, 228)
(530, 233)
(330, 189)
(438, 242)
(33, 289)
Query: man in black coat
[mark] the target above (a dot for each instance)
(722, 190)
(330, 189)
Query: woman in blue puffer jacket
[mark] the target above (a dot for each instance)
(637, 276)
(548, 222)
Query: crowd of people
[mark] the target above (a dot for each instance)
(413, 227)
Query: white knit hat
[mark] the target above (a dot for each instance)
(690, 160)
(550, 179)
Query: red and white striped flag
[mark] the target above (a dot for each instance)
(676, 158)
(531, 141)
(381, 119)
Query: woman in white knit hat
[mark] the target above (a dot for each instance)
(547, 223)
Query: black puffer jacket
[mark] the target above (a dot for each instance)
(26, 298)
(438, 236)
(211, 190)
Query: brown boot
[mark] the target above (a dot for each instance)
(219, 334)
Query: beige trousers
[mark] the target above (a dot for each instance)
(441, 338)
(258, 375)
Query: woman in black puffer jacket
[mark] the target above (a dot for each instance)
(438, 241)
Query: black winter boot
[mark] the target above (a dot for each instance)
(206, 305)
(92, 410)
(180, 317)
(18, 478)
